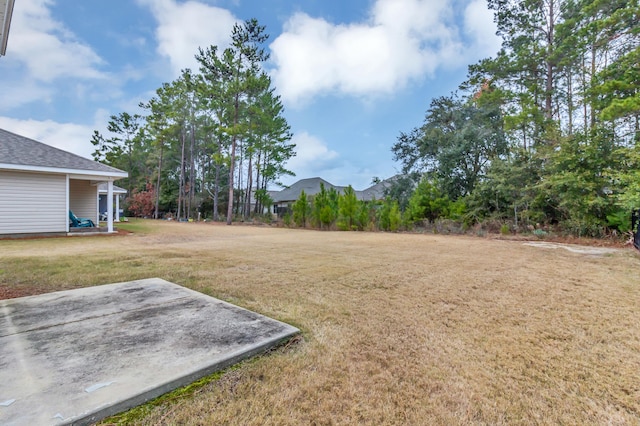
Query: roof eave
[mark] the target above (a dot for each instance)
(119, 174)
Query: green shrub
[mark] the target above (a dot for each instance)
(620, 220)
(540, 233)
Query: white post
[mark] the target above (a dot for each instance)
(66, 214)
(117, 196)
(97, 221)
(110, 206)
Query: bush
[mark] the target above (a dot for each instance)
(286, 220)
(395, 218)
(540, 233)
(142, 203)
(579, 228)
(619, 220)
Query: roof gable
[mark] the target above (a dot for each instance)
(27, 153)
(311, 186)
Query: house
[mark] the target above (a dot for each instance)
(282, 200)
(39, 184)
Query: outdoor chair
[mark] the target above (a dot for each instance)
(80, 222)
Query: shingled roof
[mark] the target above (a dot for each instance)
(18, 150)
(311, 186)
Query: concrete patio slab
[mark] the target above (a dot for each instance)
(74, 357)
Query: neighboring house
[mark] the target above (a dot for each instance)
(282, 200)
(377, 191)
(102, 201)
(39, 184)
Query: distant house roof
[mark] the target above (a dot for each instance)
(21, 153)
(102, 189)
(376, 191)
(311, 186)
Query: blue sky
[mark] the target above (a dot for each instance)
(352, 74)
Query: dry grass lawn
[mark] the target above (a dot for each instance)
(397, 329)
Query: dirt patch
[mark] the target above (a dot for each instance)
(10, 293)
(574, 248)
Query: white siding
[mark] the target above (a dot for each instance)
(83, 199)
(32, 203)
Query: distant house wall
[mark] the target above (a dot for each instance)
(32, 203)
(83, 199)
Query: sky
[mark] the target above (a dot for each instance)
(352, 75)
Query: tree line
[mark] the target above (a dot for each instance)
(208, 143)
(331, 209)
(544, 134)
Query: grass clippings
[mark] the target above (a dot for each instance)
(397, 328)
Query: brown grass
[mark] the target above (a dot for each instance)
(397, 328)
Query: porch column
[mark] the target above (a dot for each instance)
(110, 206)
(117, 196)
(66, 214)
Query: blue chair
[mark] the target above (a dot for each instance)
(80, 222)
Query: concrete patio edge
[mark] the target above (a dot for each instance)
(148, 395)
(78, 356)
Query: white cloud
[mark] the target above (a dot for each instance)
(183, 27)
(47, 49)
(75, 138)
(403, 41)
(16, 95)
(478, 20)
(312, 155)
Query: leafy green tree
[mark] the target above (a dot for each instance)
(242, 59)
(512, 190)
(323, 212)
(401, 187)
(428, 202)
(395, 217)
(248, 115)
(561, 102)
(365, 216)
(455, 145)
(301, 210)
(578, 181)
(214, 93)
(269, 146)
(123, 149)
(348, 209)
(389, 215)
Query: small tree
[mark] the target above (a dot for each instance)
(427, 202)
(348, 209)
(395, 217)
(322, 210)
(301, 210)
(389, 215)
(383, 215)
